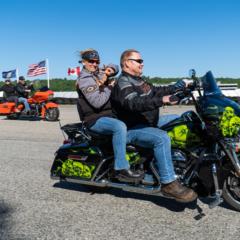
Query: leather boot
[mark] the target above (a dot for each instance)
(179, 192)
(126, 175)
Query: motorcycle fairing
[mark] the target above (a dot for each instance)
(209, 85)
(212, 95)
(218, 108)
(219, 101)
(229, 123)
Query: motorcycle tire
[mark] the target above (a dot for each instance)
(13, 116)
(52, 114)
(231, 191)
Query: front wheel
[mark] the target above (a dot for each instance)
(52, 114)
(231, 191)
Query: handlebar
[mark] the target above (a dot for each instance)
(183, 95)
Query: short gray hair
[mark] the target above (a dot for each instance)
(126, 54)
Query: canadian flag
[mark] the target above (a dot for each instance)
(74, 71)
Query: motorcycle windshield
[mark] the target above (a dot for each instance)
(209, 85)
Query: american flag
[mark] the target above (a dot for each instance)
(37, 69)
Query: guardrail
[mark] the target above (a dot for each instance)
(229, 90)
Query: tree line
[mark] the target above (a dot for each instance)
(63, 84)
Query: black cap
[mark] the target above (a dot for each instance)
(21, 78)
(8, 80)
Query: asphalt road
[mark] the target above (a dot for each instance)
(32, 206)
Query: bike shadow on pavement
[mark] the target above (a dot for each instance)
(168, 203)
(5, 212)
(24, 118)
(223, 204)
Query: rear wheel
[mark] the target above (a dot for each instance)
(14, 116)
(52, 114)
(231, 191)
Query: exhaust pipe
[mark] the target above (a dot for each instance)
(150, 190)
(80, 181)
(142, 189)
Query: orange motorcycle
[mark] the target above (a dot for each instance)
(40, 104)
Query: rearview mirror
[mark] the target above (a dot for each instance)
(192, 73)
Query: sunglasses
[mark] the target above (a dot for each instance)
(93, 61)
(109, 70)
(140, 61)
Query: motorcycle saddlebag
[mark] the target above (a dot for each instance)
(76, 162)
(7, 108)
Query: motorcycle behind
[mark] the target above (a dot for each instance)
(40, 104)
(205, 150)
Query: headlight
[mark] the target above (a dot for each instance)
(50, 96)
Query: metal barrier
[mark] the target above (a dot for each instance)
(229, 90)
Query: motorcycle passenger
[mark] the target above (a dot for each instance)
(137, 103)
(10, 94)
(23, 90)
(95, 110)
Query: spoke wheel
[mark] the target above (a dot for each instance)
(52, 114)
(231, 191)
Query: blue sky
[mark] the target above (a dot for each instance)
(173, 36)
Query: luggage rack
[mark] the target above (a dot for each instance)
(76, 132)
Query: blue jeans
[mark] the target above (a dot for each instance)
(25, 102)
(115, 127)
(159, 141)
(164, 119)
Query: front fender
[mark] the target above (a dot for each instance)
(51, 105)
(47, 106)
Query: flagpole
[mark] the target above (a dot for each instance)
(48, 81)
(17, 74)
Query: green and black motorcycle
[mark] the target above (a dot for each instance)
(205, 150)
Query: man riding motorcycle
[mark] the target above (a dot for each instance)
(10, 94)
(23, 90)
(137, 104)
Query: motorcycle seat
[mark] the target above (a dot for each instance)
(102, 138)
(80, 128)
(98, 136)
(74, 128)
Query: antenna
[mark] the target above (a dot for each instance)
(60, 125)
